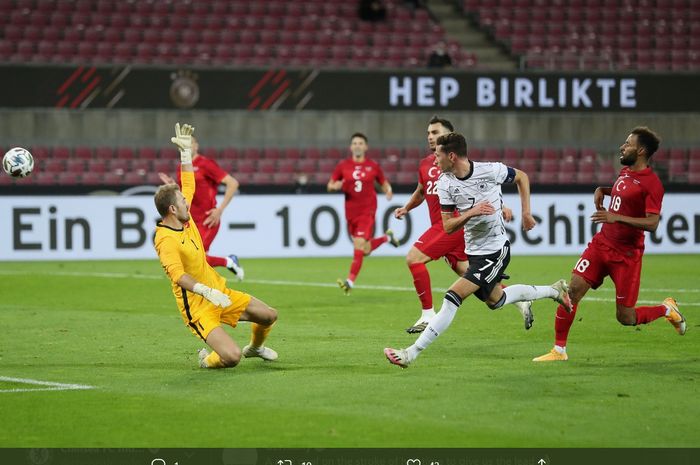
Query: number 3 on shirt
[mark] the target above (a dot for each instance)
(358, 186)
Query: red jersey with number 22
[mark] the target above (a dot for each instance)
(358, 185)
(635, 193)
(428, 175)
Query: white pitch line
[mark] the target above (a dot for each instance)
(331, 285)
(52, 386)
(83, 274)
(39, 389)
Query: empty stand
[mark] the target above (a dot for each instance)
(109, 166)
(595, 34)
(324, 33)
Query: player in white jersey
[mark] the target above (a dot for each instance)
(474, 190)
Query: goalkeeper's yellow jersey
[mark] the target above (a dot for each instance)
(181, 251)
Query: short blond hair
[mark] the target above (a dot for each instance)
(166, 195)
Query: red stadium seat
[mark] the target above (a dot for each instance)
(126, 153)
(97, 166)
(307, 166)
(82, 153)
(133, 26)
(104, 153)
(292, 154)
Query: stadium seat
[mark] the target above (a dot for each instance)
(591, 27)
(292, 154)
(138, 29)
(275, 165)
(60, 153)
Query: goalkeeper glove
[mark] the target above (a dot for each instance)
(183, 140)
(214, 296)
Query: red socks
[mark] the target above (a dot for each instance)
(562, 323)
(648, 314)
(357, 258)
(377, 241)
(564, 320)
(216, 261)
(359, 255)
(421, 280)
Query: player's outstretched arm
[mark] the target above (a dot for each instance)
(416, 199)
(183, 141)
(523, 182)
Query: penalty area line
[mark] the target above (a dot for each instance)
(42, 385)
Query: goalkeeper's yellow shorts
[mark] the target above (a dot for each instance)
(202, 316)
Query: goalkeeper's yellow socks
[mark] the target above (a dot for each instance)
(259, 334)
(213, 361)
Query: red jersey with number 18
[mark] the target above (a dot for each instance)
(208, 175)
(358, 185)
(635, 193)
(428, 175)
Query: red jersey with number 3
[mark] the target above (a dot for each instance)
(635, 193)
(428, 175)
(358, 185)
(207, 177)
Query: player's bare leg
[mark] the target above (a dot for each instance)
(626, 315)
(263, 317)
(226, 352)
(632, 316)
(360, 243)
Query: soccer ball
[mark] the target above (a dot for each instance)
(18, 162)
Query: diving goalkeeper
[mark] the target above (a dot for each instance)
(200, 292)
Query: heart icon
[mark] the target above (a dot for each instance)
(413, 462)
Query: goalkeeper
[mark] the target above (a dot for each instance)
(201, 293)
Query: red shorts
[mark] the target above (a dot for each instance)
(624, 268)
(361, 226)
(436, 243)
(208, 234)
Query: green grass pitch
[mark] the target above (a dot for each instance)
(113, 325)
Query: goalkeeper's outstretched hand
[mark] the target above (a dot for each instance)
(183, 140)
(214, 296)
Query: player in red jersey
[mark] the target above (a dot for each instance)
(206, 214)
(356, 176)
(435, 243)
(616, 251)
